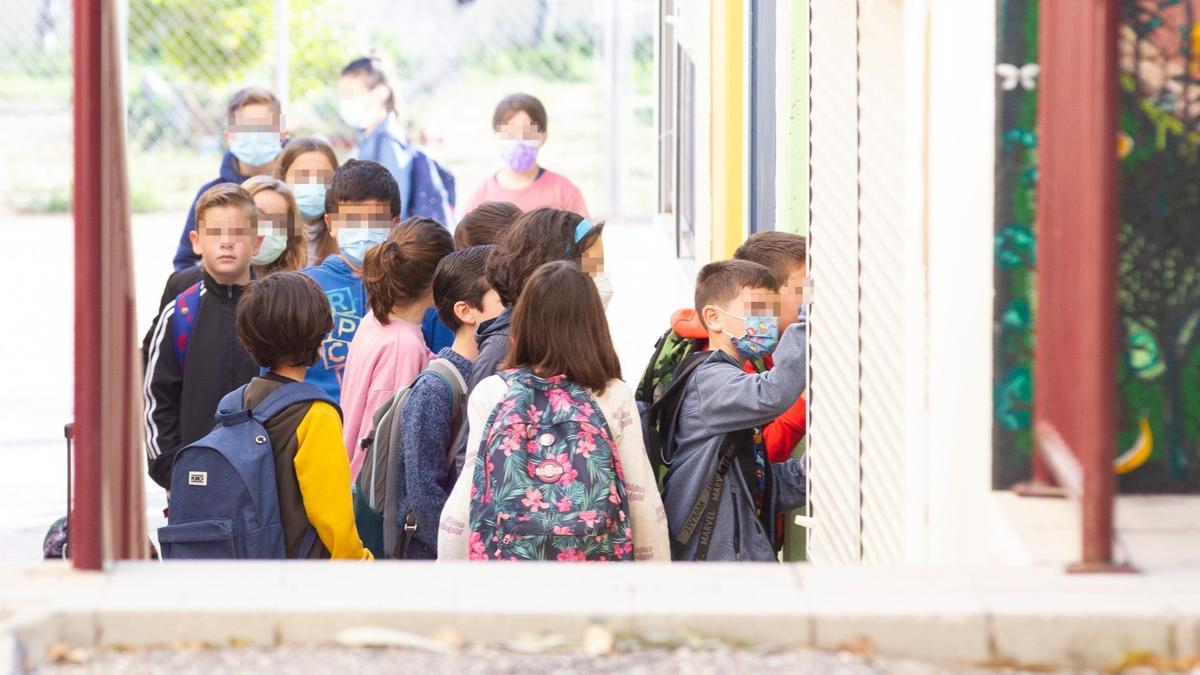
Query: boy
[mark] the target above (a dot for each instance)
(426, 428)
(721, 494)
(362, 206)
(194, 357)
(255, 136)
(281, 322)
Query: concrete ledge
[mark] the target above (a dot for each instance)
(952, 616)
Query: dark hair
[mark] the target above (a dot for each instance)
(374, 71)
(401, 269)
(460, 277)
(722, 281)
(485, 224)
(536, 238)
(515, 103)
(282, 319)
(559, 328)
(780, 252)
(361, 180)
(326, 245)
(251, 96)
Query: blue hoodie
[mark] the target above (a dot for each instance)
(348, 302)
(184, 257)
(437, 335)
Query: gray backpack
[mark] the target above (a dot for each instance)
(377, 492)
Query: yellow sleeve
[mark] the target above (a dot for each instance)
(324, 476)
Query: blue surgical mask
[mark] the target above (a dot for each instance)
(761, 336)
(354, 242)
(310, 199)
(255, 148)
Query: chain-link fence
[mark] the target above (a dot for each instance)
(591, 64)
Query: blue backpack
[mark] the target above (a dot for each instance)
(224, 500)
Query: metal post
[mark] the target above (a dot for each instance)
(86, 521)
(1076, 286)
(282, 56)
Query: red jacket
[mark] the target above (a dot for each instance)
(780, 436)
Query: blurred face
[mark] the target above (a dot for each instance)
(310, 168)
(791, 296)
(490, 308)
(520, 127)
(375, 214)
(730, 319)
(225, 240)
(592, 260)
(256, 118)
(360, 106)
(272, 214)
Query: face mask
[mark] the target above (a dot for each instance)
(273, 246)
(353, 243)
(604, 285)
(255, 148)
(353, 111)
(310, 199)
(761, 336)
(520, 156)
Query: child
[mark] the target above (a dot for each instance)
(519, 122)
(485, 224)
(584, 489)
(280, 246)
(307, 165)
(364, 205)
(282, 321)
(424, 477)
(718, 444)
(194, 357)
(255, 135)
(388, 351)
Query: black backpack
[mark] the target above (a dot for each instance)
(660, 397)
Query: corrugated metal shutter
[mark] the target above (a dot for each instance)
(833, 435)
(881, 243)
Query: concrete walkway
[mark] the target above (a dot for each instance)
(1032, 617)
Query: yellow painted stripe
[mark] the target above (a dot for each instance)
(729, 226)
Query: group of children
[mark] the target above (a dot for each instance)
(476, 367)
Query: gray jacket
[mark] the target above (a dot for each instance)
(719, 399)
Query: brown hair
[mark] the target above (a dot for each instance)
(295, 256)
(282, 319)
(515, 103)
(485, 224)
(722, 281)
(559, 328)
(326, 245)
(536, 238)
(460, 278)
(375, 72)
(251, 96)
(780, 252)
(401, 269)
(224, 194)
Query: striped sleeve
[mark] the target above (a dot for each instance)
(162, 388)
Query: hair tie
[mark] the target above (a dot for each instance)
(582, 230)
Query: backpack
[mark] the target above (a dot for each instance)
(376, 492)
(224, 500)
(187, 305)
(548, 483)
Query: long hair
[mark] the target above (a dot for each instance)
(537, 237)
(324, 243)
(400, 270)
(295, 256)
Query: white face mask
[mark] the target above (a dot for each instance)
(273, 246)
(353, 111)
(604, 285)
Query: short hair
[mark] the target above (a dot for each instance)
(780, 252)
(224, 194)
(361, 180)
(282, 319)
(400, 270)
(251, 96)
(559, 328)
(372, 69)
(514, 103)
(485, 224)
(536, 238)
(722, 281)
(460, 277)
(295, 256)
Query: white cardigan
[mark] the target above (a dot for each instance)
(646, 514)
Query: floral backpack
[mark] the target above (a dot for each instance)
(548, 483)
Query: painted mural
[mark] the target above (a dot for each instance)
(1158, 271)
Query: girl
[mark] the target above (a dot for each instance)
(307, 165)
(281, 246)
(484, 224)
(388, 350)
(561, 345)
(519, 123)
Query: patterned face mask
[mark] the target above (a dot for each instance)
(761, 336)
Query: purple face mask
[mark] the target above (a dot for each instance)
(520, 156)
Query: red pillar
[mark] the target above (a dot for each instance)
(1076, 260)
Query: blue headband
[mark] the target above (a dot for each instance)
(582, 229)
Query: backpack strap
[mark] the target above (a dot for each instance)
(287, 395)
(448, 373)
(703, 514)
(666, 409)
(187, 306)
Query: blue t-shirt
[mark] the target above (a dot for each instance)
(348, 302)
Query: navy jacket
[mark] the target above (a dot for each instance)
(184, 257)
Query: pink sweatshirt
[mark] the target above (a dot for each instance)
(548, 189)
(382, 360)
